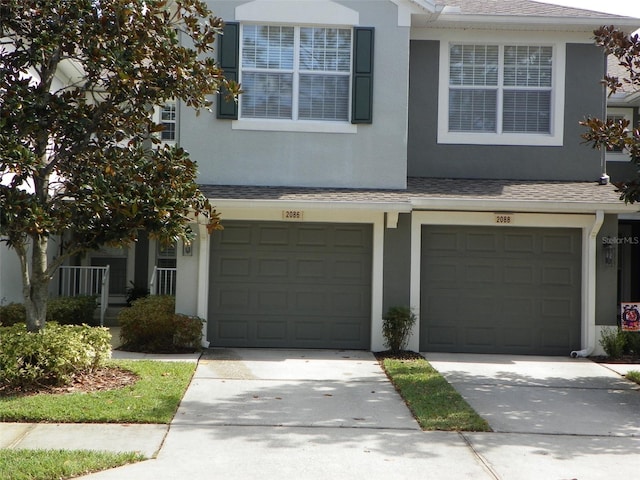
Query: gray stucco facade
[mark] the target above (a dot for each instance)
(571, 161)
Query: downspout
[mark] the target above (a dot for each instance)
(604, 178)
(589, 300)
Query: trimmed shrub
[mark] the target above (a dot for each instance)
(12, 313)
(612, 340)
(52, 356)
(72, 310)
(396, 326)
(188, 331)
(151, 325)
(632, 343)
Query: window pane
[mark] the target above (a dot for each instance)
(269, 47)
(266, 95)
(527, 66)
(168, 112)
(527, 111)
(472, 110)
(168, 132)
(473, 65)
(324, 97)
(325, 49)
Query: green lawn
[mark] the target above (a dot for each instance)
(153, 399)
(58, 464)
(634, 376)
(434, 403)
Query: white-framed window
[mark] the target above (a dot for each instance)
(295, 73)
(501, 93)
(168, 121)
(618, 154)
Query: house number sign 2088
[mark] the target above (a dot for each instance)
(504, 218)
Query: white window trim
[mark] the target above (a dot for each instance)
(554, 138)
(310, 12)
(274, 125)
(297, 125)
(157, 118)
(627, 113)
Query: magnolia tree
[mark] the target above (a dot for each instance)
(619, 134)
(79, 157)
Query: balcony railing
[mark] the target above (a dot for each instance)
(163, 281)
(79, 280)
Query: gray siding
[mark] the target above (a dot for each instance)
(373, 157)
(397, 263)
(606, 276)
(573, 161)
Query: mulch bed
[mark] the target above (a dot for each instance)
(398, 355)
(105, 378)
(625, 359)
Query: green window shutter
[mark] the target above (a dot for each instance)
(229, 61)
(362, 94)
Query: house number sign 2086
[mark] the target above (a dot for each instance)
(292, 215)
(504, 218)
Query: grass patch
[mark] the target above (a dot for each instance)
(435, 404)
(154, 398)
(58, 464)
(634, 376)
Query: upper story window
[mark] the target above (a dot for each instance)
(168, 121)
(313, 78)
(295, 73)
(499, 94)
(499, 89)
(619, 154)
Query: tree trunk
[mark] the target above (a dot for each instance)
(36, 285)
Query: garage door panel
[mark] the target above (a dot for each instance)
(558, 276)
(509, 300)
(519, 274)
(485, 242)
(351, 238)
(272, 236)
(518, 338)
(234, 266)
(479, 337)
(441, 241)
(310, 236)
(270, 330)
(272, 267)
(237, 235)
(523, 243)
(562, 244)
(442, 338)
(480, 273)
(291, 285)
(232, 329)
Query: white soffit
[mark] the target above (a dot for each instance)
(318, 12)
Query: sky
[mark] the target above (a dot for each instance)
(629, 8)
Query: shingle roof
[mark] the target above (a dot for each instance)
(436, 190)
(521, 8)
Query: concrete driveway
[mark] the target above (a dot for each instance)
(553, 417)
(317, 415)
(544, 395)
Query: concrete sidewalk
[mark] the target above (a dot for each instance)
(311, 414)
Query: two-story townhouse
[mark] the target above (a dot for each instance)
(405, 153)
(401, 152)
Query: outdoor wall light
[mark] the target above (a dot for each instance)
(609, 253)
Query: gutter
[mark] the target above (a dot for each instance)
(589, 297)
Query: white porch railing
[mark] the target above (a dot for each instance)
(163, 281)
(79, 280)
